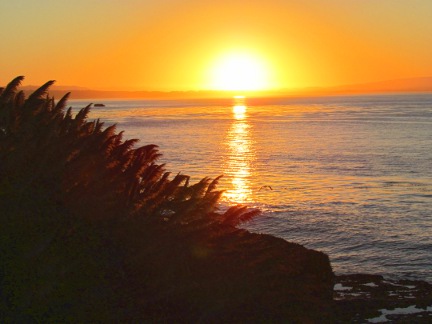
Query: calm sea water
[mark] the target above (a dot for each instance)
(349, 176)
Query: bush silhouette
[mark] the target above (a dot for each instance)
(73, 196)
(91, 170)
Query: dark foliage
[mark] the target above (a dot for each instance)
(74, 198)
(91, 170)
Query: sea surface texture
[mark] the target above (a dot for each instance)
(350, 176)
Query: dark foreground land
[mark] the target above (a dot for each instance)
(225, 275)
(94, 230)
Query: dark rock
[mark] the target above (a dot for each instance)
(229, 275)
(362, 297)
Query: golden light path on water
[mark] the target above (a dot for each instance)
(241, 154)
(329, 174)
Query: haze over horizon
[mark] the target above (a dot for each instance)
(409, 85)
(202, 45)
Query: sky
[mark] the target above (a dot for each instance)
(202, 44)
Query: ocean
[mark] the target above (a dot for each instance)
(350, 175)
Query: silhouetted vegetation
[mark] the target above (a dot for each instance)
(91, 170)
(93, 229)
(78, 203)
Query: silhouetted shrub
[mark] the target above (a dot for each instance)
(91, 170)
(73, 196)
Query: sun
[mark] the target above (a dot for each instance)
(240, 71)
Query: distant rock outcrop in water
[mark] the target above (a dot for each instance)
(94, 230)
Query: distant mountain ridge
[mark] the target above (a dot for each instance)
(422, 84)
(55, 87)
(408, 85)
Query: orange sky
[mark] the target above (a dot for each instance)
(175, 44)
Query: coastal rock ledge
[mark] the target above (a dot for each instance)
(168, 275)
(227, 275)
(365, 298)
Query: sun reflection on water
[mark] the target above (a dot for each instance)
(241, 154)
(239, 111)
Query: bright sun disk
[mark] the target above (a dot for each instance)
(240, 72)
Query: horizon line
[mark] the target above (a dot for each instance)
(402, 85)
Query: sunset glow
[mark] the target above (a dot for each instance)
(206, 45)
(240, 72)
